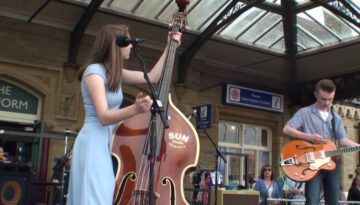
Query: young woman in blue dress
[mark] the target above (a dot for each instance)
(92, 179)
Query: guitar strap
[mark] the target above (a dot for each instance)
(299, 185)
(333, 128)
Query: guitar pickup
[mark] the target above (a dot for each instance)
(310, 157)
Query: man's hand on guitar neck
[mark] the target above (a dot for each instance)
(316, 139)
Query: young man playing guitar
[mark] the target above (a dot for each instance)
(314, 124)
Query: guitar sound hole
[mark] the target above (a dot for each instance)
(303, 172)
(298, 147)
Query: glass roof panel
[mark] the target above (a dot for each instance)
(166, 15)
(150, 9)
(280, 45)
(344, 23)
(355, 4)
(203, 26)
(122, 5)
(330, 22)
(203, 12)
(316, 27)
(270, 37)
(278, 2)
(242, 23)
(306, 41)
(257, 29)
(323, 27)
(300, 48)
(302, 1)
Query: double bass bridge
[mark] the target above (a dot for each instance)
(142, 196)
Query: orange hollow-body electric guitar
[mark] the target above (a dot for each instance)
(301, 160)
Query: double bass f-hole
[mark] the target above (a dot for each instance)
(138, 183)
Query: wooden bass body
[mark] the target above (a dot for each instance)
(179, 151)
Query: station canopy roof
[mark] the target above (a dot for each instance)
(260, 26)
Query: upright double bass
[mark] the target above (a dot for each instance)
(177, 146)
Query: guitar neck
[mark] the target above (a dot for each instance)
(341, 151)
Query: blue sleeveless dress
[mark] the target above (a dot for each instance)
(92, 180)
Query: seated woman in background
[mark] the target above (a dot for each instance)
(267, 185)
(354, 191)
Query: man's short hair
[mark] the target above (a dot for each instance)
(325, 85)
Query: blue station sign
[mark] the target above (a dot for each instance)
(242, 96)
(203, 116)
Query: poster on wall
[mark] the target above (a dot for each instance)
(242, 96)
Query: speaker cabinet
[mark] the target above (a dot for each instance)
(235, 197)
(14, 184)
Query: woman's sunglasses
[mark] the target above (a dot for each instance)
(267, 169)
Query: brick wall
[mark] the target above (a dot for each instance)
(351, 119)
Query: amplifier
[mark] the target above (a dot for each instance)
(235, 197)
(14, 184)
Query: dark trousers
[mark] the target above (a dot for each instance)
(195, 193)
(329, 181)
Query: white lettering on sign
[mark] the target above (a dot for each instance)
(13, 103)
(255, 96)
(5, 90)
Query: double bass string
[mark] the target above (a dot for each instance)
(142, 183)
(143, 176)
(165, 87)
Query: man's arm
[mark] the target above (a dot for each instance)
(346, 142)
(293, 132)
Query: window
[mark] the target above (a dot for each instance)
(229, 133)
(254, 140)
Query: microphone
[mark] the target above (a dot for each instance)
(123, 41)
(192, 114)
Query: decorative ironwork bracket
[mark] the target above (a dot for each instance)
(231, 12)
(342, 8)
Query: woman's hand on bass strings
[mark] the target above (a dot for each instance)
(176, 36)
(143, 102)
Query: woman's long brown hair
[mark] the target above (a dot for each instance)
(106, 52)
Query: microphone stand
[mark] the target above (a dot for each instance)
(65, 172)
(217, 155)
(157, 108)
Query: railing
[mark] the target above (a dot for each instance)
(269, 201)
(302, 201)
